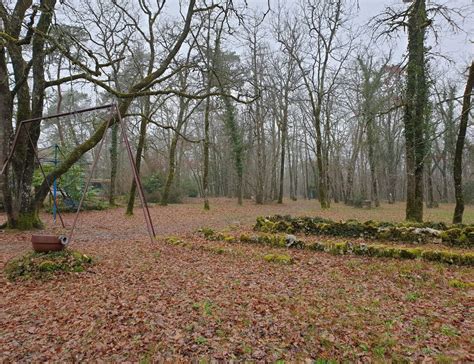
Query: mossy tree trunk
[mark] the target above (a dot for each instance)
(416, 102)
(205, 174)
(138, 156)
(283, 136)
(210, 60)
(235, 136)
(349, 191)
(457, 170)
(430, 203)
(230, 122)
(113, 164)
(22, 211)
(371, 84)
(6, 130)
(172, 152)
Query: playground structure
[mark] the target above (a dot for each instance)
(53, 189)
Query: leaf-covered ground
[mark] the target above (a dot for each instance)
(215, 300)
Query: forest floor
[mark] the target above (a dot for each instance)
(220, 300)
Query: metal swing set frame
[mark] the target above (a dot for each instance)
(113, 108)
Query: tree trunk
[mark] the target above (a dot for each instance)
(416, 101)
(205, 174)
(372, 163)
(113, 164)
(457, 170)
(283, 135)
(322, 179)
(22, 211)
(172, 154)
(6, 107)
(138, 157)
(430, 203)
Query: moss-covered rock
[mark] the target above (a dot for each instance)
(207, 232)
(45, 265)
(459, 235)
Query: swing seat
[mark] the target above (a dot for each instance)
(46, 243)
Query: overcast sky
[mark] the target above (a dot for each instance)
(457, 46)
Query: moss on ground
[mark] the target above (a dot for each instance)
(45, 265)
(353, 248)
(27, 221)
(278, 258)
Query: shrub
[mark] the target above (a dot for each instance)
(189, 188)
(152, 186)
(44, 265)
(358, 202)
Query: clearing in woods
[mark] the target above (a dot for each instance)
(220, 300)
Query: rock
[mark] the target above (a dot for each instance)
(290, 240)
(427, 231)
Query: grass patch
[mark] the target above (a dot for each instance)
(201, 340)
(449, 330)
(206, 307)
(45, 265)
(412, 296)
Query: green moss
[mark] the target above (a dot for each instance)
(410, 253)
(27, 221)
(448, 257)
(266, 225)
(463, 237)
(456, 283)
(278, 258)
(207, 232)
(229, 238)
(244, 238)
(215, 250)
(45, 265)
(173, 240)
(406, 231)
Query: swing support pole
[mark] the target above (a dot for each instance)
(119, 120)
(55, 183)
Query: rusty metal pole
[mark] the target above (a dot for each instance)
(15, 140)
(146, 211)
